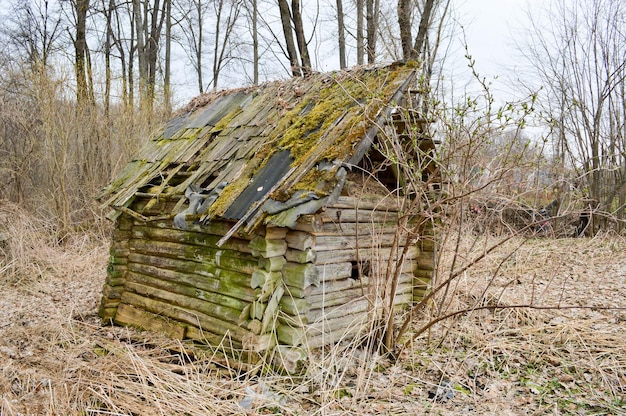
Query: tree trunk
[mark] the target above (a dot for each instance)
(167, 93)
(422, 33)
(372, 7)
(255, 42)
(404, 23)
(360, 47)
(341, 35)
(305, 58)
(80, 50)
(292, 54)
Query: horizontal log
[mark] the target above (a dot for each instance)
(288, 335)
(258, 343)
(300, 276)
(339, 215)
(267, 248)
(340, 242)
(229, 260)
(334, 271)
(427, 244)
(426, 261)
(124, 222)
(115, 270)
(335, 336)
(107, 312)
(204, 299)
(301, 256)
(220, 286)
(425, 273)
(294, 306)
(364, 253)
(196, 272)
(112, 292)
(223, 313)
(275, 233)
(206, 336)
(130, 315)
(361, 304)
(153, 232)
(272, 264)
(353, 229)
(299, 240)
(377, 202)
(208, 323)
(114, 258)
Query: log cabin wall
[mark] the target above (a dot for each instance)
(304, 287)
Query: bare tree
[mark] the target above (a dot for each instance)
(579, 59)
(410, 49)
(192, 26)
(33, 29)
(372, 7)
(149, 17)
(82, 58)
(226, 16)
(291, 19)
(341, 36)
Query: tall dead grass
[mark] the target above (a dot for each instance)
(58, 359)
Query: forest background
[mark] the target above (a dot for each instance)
(83, 83)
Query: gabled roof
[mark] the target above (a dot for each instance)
(281, 143)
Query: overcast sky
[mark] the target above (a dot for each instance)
(492, 28)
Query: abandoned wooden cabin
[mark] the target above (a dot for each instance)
(268, 215)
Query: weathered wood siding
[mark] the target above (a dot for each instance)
(296, 287)
(329, 246)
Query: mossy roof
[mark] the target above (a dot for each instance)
(265, 141)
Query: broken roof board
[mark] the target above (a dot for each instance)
(317, 118)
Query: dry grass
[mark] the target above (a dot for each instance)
(58, 360)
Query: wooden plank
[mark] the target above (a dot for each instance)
(193, 297)
(340, 242)
(206, 256)
(129, 315)
(227, 316)
(193, 317)
(364, 253)
(334, 271)
(197, 271)
(271, 311)
(300, 276)
(155, 231)
(299, 240)
(350, 229)
(339, 215)
(267, 248)
(371, 202)
(221, 286)
(301, 256)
